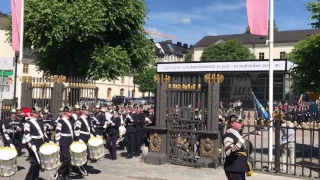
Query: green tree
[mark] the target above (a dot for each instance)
(145, 80)
(314, 8)
(306, 57)
(274, 27)
(98, 39)
(226, 51)
(188, 56)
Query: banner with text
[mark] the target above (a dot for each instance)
(221, 66)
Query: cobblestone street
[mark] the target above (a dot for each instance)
(135, 168)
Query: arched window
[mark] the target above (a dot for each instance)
(133, 93)
(109, 93)
(121, 92)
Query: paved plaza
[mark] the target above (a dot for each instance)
(136, 169)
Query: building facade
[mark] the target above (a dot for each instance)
(284, 42)
(166, 51)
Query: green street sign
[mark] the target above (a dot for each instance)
(6, 73)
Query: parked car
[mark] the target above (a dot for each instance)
(117, 100)
(139, 101)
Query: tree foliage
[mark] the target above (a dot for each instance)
(145, 80)
(226, 51)
(98, 39)
(188, 56)
(275, 28)
(306, 55)
(314, 8)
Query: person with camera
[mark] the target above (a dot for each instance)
(13, 131)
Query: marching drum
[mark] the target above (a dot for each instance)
(8, 161)
(96, 148)
(49, 156)
(78, 151)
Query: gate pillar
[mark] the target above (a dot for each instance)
(157, 154)
(210, 138)
(26, 91)
(56, 95)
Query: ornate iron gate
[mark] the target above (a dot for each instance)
(186, 120)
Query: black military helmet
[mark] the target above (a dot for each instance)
(84, 107)
(235, 118)
(66, 109)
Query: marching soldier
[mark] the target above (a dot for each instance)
(83, 130)
(49, 124)
(236, 163)
(130, 135)
(13, 131)
(99, 121)
(34, 137)
(139, 119)
(64, 136)
(113, 133)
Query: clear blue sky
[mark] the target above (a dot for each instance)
(190, 20)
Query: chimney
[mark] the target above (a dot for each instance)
(185, 45)
(179, 44)
(191, 46)
(169, 41)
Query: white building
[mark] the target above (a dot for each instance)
(107, 89)
(166, 51)
(284, 42)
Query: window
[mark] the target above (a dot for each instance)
(109, 94)
(282, 55)
(25, 68)
(122, 79)
(261, 55)
(133, 93)
(121, 92)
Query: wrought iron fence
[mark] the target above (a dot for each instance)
(299, 156)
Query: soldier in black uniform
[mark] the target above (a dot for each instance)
(99, 122)
(83, 130)
(13, 131)
(34, 137)
(151, 121)
(64, 136)
(113, 134)
(139, 118)
(130, 135)
(49, 124)
(236, 163)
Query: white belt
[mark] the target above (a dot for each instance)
(83, 132)
(36, 137)
(66, 135)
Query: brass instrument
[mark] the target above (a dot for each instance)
(278, 114)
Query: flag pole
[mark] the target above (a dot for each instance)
(271, 39)
(20, 54)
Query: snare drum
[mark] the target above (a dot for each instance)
(8, 161)
(78, 152)
(49, 156)
(96, 148)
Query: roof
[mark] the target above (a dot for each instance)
(279, 37)
(3, 20)
(173, 49)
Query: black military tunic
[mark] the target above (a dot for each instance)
(13, 133)
(130, 135)
(49, 127)
(236, 164)
(98, 127)
(65, 136)
(34, 137)
(113, 134)
(139, 119)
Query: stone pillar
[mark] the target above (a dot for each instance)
(157, 154)
(56, 95)
(26, 91)
(209, 149)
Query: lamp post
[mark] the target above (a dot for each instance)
(15, 79)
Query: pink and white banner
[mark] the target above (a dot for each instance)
(16, 7)
(257, 12)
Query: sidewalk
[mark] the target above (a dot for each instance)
(136, 169)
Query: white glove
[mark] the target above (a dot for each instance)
(80, 140)
(242, 141)
(12, 146)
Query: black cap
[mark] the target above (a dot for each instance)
(234, 118)
(66, 109)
